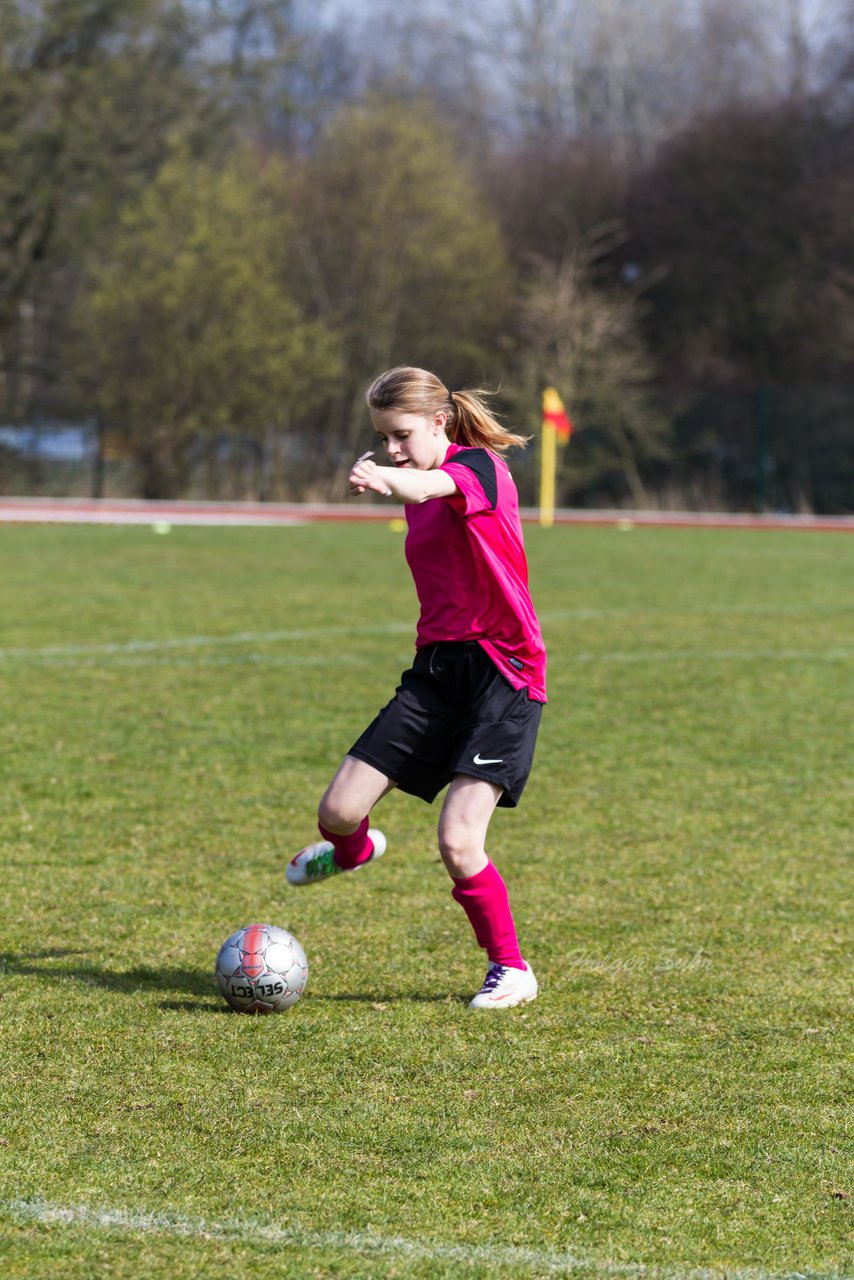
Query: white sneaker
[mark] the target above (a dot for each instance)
(503, 987)
(317, 862)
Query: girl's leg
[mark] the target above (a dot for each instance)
(343, 811)
(468, 808)
(347, 841)
(478, 886)
(351, 795)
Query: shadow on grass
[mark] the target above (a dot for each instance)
(194, 1006)
(398, 997)
(189, 982)
(37, 964)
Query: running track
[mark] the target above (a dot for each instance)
(137, 511)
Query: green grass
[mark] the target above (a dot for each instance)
(680, 869)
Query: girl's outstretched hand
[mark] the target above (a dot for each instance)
(365, 474)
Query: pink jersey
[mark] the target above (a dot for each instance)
(467, 557)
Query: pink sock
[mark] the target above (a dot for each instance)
(484, 899)
(350, 851)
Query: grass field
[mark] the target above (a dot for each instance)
(674, 1104)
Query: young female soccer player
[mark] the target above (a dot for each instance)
(468, 710)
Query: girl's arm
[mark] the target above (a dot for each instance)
(404, 484)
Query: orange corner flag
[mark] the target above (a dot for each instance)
(555, 414)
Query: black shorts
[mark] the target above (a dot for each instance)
(453, 712)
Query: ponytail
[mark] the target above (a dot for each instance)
(470, 422)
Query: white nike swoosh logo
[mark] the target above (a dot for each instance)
(477, 760)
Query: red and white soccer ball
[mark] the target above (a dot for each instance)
(261, 969)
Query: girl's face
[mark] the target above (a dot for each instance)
(410, 439)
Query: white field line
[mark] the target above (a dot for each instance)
(636, 658)
(209, 660)
(248, 1231)
(718, 655)
(167, 653)
(202, 642)
(120, 648)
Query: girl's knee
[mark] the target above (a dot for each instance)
(337, 813)
(462, 851)
(450, 846)
(351, 795)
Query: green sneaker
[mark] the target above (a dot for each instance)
(317, 861)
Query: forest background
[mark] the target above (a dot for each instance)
(220, 218)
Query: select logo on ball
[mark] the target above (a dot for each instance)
(261, 969)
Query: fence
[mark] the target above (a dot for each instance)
(765, 449)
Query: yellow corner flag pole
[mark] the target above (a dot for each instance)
(548, 470)
(556, 427)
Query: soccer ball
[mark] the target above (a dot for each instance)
(261, 969)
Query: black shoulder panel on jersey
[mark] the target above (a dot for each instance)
(479, 461)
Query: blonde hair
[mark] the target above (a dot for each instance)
(411, 390)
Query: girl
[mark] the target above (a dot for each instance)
(468, 710)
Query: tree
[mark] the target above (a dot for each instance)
(90, 95)
(551, 194)
(747, 216)
(586, 341)
(616, 72)
(93, 95)
(400, 256)
(285, 70)
(189, 330)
